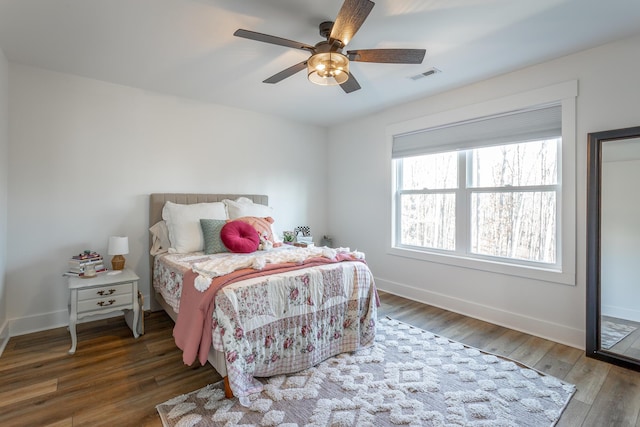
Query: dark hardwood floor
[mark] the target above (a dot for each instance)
(116, 380)
(111, 380)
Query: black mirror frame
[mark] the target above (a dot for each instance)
(594, 196)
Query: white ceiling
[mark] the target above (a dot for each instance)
(187, 48)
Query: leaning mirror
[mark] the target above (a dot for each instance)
(613, 247)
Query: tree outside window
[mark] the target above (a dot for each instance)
(495, 202)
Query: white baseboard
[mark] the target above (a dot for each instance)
(38, 322)
(538, 327)
(621, 313)
(56, 319)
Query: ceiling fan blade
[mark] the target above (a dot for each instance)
(351, 84)
(286, 73)
(349, 20)
(388, 56)
(266, 38)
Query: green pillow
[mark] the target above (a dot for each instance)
(211, 233)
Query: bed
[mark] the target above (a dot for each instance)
(273, 311)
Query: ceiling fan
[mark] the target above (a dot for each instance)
(327, 65)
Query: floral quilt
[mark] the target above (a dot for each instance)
(278, 323)
(289, 322)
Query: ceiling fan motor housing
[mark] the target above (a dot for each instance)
(325, 29)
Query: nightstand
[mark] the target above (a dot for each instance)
(102, 294)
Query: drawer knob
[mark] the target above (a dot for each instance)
(104, 304)
(109, 292)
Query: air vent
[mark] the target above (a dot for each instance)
(431, 71)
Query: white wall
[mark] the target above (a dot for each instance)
(4, 184)
(86, 154)
(609, 98)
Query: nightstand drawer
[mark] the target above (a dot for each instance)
(105, 291)
(105, 302)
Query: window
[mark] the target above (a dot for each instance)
(513, 209)
(505, 206)
(488, 192)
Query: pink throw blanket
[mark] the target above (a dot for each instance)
(192, 332)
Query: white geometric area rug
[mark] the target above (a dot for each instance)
(410, 377)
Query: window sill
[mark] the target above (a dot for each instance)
(528, 272)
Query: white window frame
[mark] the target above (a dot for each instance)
(564, 271)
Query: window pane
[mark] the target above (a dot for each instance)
(518, 225)
(428, 220)
(528, 163)
(433, 171)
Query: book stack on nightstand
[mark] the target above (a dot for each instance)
(79, 263)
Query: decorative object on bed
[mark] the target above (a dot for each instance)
(289, 236)
(211, 235)
(409, 377)
(118, 246)
(264, 228)
(305, 230)
(240, 237)
(245, 207)
(267, 312)
(303, 236)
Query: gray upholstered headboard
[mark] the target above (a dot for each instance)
(157, 201)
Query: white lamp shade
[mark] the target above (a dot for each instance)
(118, 245)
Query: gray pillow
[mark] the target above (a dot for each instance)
(211, 234)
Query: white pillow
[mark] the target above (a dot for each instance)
(244, 206)
(183, 222)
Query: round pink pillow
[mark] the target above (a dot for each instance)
(240, 237)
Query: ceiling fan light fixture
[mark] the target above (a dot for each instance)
(328, 68)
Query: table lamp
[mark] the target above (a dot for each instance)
(118, 246)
